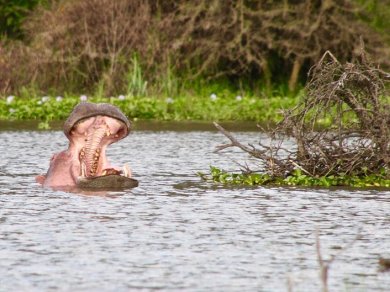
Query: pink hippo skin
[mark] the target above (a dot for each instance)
(90, 129)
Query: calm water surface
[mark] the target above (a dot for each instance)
(174, 232)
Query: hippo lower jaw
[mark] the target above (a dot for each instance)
(115, 182)
(111, 177)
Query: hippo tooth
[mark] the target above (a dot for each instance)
(82, 152)
(83, 169)
(126, 170)
(104, 172)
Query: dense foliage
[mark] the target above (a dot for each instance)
(161, 47)
(12, 15)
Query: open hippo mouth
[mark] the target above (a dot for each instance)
(90, 129)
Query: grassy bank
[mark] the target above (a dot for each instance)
(224, 106)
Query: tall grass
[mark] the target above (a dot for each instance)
(169, 82)
(136, 84)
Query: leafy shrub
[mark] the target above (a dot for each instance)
(12, 14)
(82, 45)
(91, 42)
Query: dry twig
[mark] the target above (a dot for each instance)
(325, 264)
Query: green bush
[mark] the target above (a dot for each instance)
(89, 45)
(12, 15)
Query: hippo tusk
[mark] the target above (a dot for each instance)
(83, 169)
(126, 170)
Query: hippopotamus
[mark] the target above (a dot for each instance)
(90, 128)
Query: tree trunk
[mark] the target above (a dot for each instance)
(266, 76)
(292, 83)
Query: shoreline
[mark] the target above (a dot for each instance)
(143, 125)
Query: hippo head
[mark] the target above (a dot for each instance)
(90, 128)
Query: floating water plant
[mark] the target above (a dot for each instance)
(178, 108)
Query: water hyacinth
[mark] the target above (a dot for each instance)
(166, 107)
(10, 99)
(83, 97)
(238, 97)
(121, 97)
(213, 96)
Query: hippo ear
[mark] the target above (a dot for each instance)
(40, 179)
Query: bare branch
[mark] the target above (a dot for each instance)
(325, 265)
(355, 140)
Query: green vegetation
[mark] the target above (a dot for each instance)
(12, 15)
(297, 178)
(149, 48)
(214, 106)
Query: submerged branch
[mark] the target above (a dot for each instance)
(325, 264)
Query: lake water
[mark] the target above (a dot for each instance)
(175, 232)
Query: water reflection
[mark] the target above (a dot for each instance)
(175, 232)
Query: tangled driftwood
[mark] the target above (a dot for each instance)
(340, 128)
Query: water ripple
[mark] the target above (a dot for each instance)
(175, 232)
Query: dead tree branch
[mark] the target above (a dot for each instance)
(342, 127)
